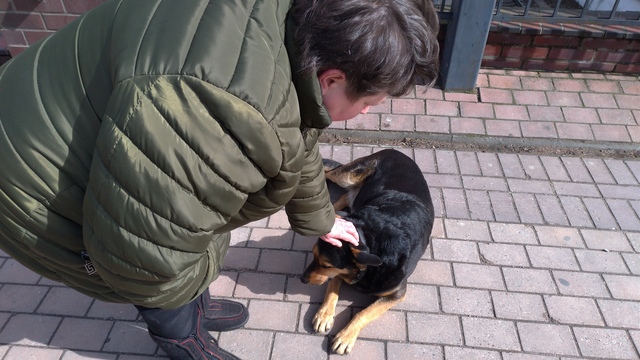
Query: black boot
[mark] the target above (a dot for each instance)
(198, 346)
(222, 315)
(180, 333)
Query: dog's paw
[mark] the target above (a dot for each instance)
(344, 341)
(323, 321)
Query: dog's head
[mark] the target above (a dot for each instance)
(347, 262)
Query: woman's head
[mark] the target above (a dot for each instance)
(382, 46)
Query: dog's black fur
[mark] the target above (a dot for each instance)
(388, 200)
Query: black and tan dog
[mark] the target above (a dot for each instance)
(388, 200)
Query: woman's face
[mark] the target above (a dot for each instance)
(334, 97)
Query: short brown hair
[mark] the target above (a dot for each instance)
(383, 46)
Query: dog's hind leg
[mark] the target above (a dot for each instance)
(323, 321)
(344, 341)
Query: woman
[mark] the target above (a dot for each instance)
(138, 136)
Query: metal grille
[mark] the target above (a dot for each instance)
(601, 12)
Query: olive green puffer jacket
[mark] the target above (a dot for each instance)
(135, 138)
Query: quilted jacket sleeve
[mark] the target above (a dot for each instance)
(310, 211)
(158, 187)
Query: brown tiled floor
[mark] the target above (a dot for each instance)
(534, 256)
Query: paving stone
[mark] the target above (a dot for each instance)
(260, 286)
(466, 302)
(605, 343)
(65, 301)
(271, 238)
(21, 298)
(31, 330)
(467, 230)
(284, 262)
(513, 233)
(547, 339)
(576, 211)
(432, 272)
(466, 353)
(551, 209)
(621, 314)
(580, 284)
(86, 355)
(12, 272)
(623, 287)
(391, 325)
(489, 333)
(552, 258)
(455, 250)
(559, 236)
(420, 298)
(600, 261)
(23, 352)
(604, 239)
(241, 258)
(478, 276)
(529, 280)
(528, 208)
(518, 306)
(434, 329)
(404, 351)
(523, 356)
(624, 214)
(262, 315)
(573, 310)
(503, 254)
(503, 207)
(247, 344)
(558, 98)
(300, 347)
(633, 262)
(81, 334)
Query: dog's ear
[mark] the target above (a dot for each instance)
(364, 257)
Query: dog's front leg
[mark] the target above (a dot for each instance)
(323, 321)
(344, 341)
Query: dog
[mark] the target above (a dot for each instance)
(388, 200)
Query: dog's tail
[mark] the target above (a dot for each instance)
(330, 164)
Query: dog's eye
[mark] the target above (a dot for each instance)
(325, 266)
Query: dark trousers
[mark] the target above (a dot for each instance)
(176, 324)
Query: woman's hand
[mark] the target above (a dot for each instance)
(342, 230)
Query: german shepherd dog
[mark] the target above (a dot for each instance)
(388, 200)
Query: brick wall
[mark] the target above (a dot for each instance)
(610, 49)
(24, 22)
(510, 46)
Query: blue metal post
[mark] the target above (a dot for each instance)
(464, 44)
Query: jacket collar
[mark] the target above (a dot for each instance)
(312, 111)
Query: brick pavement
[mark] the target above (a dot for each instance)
(533, 256)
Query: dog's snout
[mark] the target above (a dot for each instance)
(304, 279)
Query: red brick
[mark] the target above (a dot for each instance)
(57, 21)
(35, 36)
(628, 69)
(45, 6)
(492, 50)
(11, 37)
(612, 44)
(5, 5)
(630, 58)
(571, 54)
(525, 52)
(502, 63)
(22, 21)
(506, 38)
(608, 56)
(533, 64)
(592, 66)
(81, 6)
(15, 50)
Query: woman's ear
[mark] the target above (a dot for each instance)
(331, 77)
